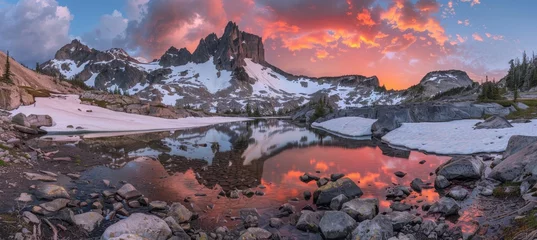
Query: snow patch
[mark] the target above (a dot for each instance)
(347, 126)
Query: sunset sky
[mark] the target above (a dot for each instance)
(397, 40)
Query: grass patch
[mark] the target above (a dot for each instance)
(529, 113)
(3, 147)
(507, 190)
(37, 93)
(2, 163)
(521, 227)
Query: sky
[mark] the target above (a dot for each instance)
(399, 41)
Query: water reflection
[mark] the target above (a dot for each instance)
(247, 154)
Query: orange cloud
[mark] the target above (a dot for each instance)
(320, 54)
(461, 39)
(495, 37)
(364, 18)
(477, 37)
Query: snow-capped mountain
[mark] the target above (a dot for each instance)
(222, 74)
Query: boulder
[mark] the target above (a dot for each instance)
(55, 205)
(37, 121)
(335, 176)
(440, 182)
(494, 122)
(21, 120)
(361, 209)
(255, 234)
(88, 221)
(400, 219)
(517, 166)
(462, 168)
(25, 198)
(521, 106)
(309, 221)
(458, 193)
(323, 196)
(30, 217)
(336, 225)
(399, 206)
(416, 184)
(143, 225)
(179, 213)
(49, 191)
(397, 192)
(39, 177)
(518, 142)
(157, 205)
(400, 174)
(446, 206)
(275, 222)
(380, 228)
(338, 202)
(128, 192)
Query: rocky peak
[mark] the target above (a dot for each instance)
(205, 49)
(234, 46)
(119, 53)
(440, 81)
(175, 57)
(73, 51)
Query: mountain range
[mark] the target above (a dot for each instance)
(229, 72)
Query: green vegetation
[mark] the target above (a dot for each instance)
(415, 89)
(489, 91)
(522, 74)
(320, 108)
(99, 103)
(529, 113)
(521, 227)
(2, 163)
(6, 77)
(507, 190)
(37, 92)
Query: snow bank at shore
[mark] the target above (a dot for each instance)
(347, 126)
(456, 137)
(67, 110)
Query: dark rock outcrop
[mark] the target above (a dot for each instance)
(494, 122)
(324, 195)
(174, 57)
(462, 168)
(519, 165)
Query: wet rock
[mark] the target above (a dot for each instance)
(275, 222)
(25, 198)
(157, 205)
(309, 221)
(458, 193)
(96, 205)
(400, 219)
(49, 191)
(143, 225)
(308, 178)
(49, 173)
(335, 176)
(336, 225)
(379, 227)
(400, 174)
(494, 122)
(446, 206)
(179, 213)
(441, 182)
(55, 205)
(248, 192)
(123, 212)
(401, 207)
(422, 162)
(397, 192)
(30, 217)
(108, 193)
(255, 234)
(259, 193)
(73, 175)
(462, 168)
(106, 182)
(323, 196)
(361, 209)
(426, 206)
(39, 177)
(338, 202)
(234, 194)
(321, 182)
(416, 184)
(307, 195)
(128, 192)
(88, 221)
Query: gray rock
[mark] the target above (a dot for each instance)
(128, 192)
(462, 168)
(361, 209)
(440, 182)
(397, 192)
(338, 202)
(255, 234)
(275, 222)
(32, 218)
(49, 191)
(516, 143)
(517, 166)
(287, 209)
(522, 106)
(88, 221)
(21, 120)
(446, 206)
(416, 184)
(25, 198)
(321, 182)
(39, 177)
(380, 228)
(427, 227)
(307, 195)
(336, 225)
(399, 206)
(55, 205)
(309, 221)
(400, 219)
(143, 225)
(400, 174)
(174, 226)
(494, 122)
(323, 196)
(157, 205)
(179, 213)
(335, 176)
(307, 177)
(234, 194)
(458, 193)
(37, 121)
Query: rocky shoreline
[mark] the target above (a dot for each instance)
(336, 210)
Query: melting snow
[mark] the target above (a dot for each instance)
(347, 126)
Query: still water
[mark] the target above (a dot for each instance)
(243, 155)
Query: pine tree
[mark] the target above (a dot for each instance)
(248, 109)
(37, 68)
(6, 77)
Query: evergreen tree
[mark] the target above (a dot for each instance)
(6, 77)
(257, 113)
(37, 68)
(248, 109)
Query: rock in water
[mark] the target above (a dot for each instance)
(39, 177)
(336, 225)
(128, 191)
(338, 202)
(462, 168)
(324, 195)
(494, 122)
(400, 174)
(440, 182)
(416, 184)
(50, 191)
(55, 205)
(379, 227)
(143, 225)
(401, 207)
(400, 219)
(179, 213)
(361, 209)
(309, 221)
(447, 206)
(88, 221)
(458, 193)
